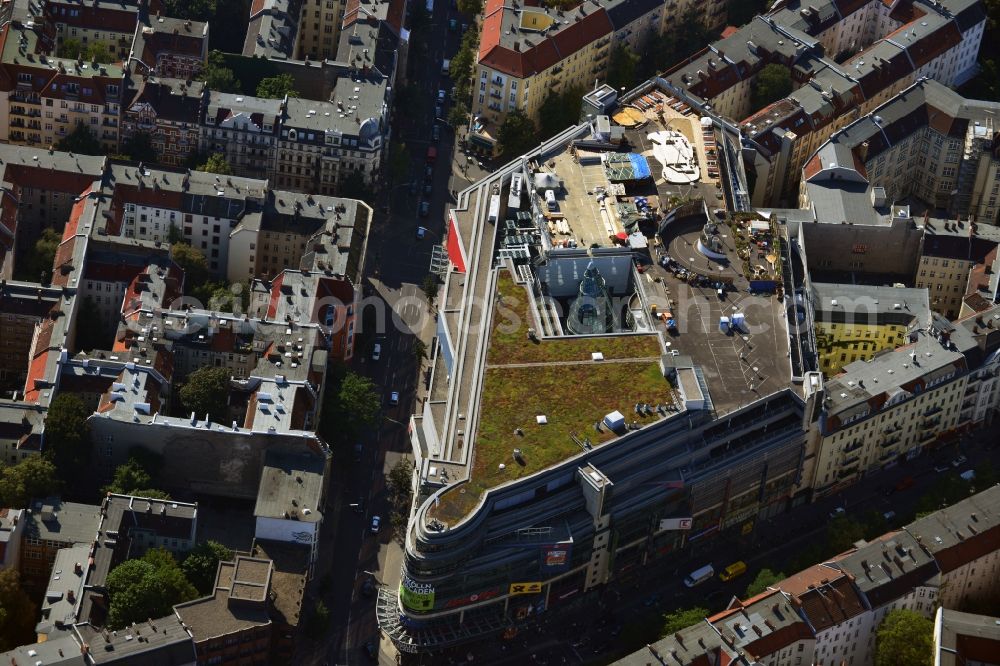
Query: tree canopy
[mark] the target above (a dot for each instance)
(206, 390)
(195, 10)
(470, 7)
(193, 262)
(140, 148)
(764, 579)
(773, 83)
(81, 140)
(217, 76)
(353, 186)
(904, 637)
(682, 619)
(202, 562)
(31, 265)
(276, 87)
(350, 404)
(67, 435)
(622, 68)
(17, 612)
(34, 476)
(146, 587)
(133, 478)
(73, 49)
(560, 110)
(517, 134)
(217, 164)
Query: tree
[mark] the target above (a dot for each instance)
(81, 140)
(17, 613)
(140, 148)
(470, 7)
(34, 476)
(622, 68)
(32, 266)
(217, 164)
(560, 110)
(276, 87)
(355, 187)
(319, 621)
(207, 391)
(842, 533)
(148, 587)
(682, 619)
(419, 350)
(134, 479)
(399, 161)
(517, 134)
(458, 116)
(773, 83)
(217, 76)
(430, 286)
(741, 12)
(67, 435)
(904, 637)
(350, 404)
(202, 563)
(192, 261)
(195, 10)
(765, 579)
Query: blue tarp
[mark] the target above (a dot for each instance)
(640, 167)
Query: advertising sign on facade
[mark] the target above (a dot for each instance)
(557, 556)
(675, 524)
(525, 588)
(473, 598)
(416, 596)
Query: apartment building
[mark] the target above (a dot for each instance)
(847, 58)
(23, 308)
(244, 130)
(952, 249)
(290, 502)
(931, 566)
(168, 48)
(854, 322)
(273, 30)
(321, 143)
(962, 540)
(51, 525)
(232, 626)
(106, 22)
(20, 430)
(169, 111)
(964, 638)
(11, 527)
(320, 29)
(527, 52)
(879, 412)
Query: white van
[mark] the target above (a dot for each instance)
(699, 576)
(445, 67)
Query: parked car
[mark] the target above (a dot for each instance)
(889, 516)
(358, 450)
(394, 398)
(414, 187)
(959, 461)
(425, 208)
(368, 587)
(428, 189)
(377, 352)
(421, 232)
(376, 524)
(428, 172)
(436, 133)
(441, 96)
(839, 511)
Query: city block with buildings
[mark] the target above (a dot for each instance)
(660, 364)
(830, 612)
(338, 129)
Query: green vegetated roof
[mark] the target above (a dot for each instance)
(560, 382)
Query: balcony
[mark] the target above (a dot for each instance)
(844, 473)
(927, 436)
(890, 441)
(25, 98)
(930, 423)
(931, 411)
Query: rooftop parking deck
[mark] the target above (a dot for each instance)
(557, 379)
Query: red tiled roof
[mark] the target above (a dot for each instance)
(272, 306)
(36, 370)
(774, 642)
(542, 55)
(63, 260)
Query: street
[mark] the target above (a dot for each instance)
(396, 266)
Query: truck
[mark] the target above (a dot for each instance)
(494, 213)
(699, 576)
(668, 319)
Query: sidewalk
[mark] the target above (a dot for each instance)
(390, 562)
